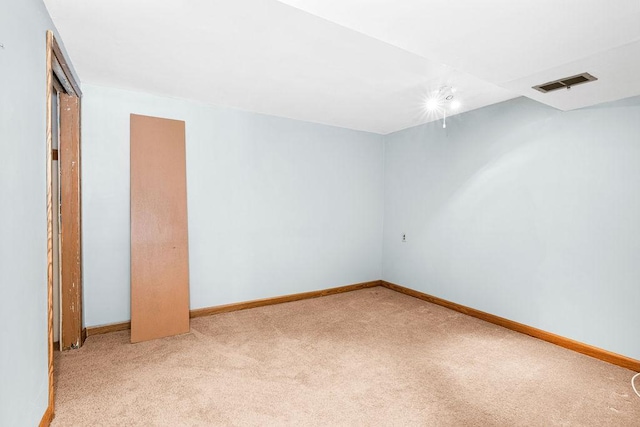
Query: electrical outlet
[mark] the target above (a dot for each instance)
(404, 238)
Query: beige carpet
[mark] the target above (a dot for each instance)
(371, 357)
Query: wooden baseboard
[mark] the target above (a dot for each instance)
(281, 299)
(208, 311)
(105, 329)
(47, 417)
(598, 353)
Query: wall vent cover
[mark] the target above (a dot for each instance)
(565, 82)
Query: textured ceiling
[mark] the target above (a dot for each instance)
(360, 64)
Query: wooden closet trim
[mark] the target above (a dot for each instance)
(54, 60)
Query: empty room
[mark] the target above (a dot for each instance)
(305, 212)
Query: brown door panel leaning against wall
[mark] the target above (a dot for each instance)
(159, 246)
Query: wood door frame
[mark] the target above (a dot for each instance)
(59, 76)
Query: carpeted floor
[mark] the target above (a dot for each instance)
(369, 357)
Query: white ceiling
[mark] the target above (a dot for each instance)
(360, 64)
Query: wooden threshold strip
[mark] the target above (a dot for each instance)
(589, 350)
(47, 417)
(208, 311)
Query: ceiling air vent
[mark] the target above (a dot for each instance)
(566, 82)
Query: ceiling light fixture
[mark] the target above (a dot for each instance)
(443, 99)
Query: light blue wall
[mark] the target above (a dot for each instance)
(275, 206)
(23, 215)
(525, 212)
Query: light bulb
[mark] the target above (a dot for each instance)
(432, 104)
